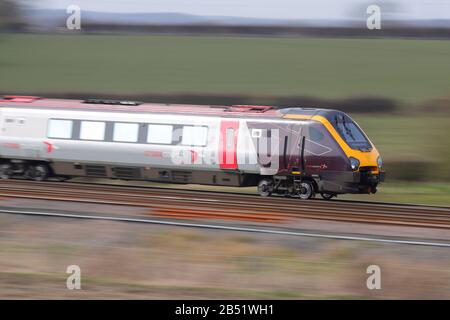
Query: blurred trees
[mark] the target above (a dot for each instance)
(10, 15)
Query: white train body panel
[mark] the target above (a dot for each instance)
(24, 135)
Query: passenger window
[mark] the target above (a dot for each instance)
(59, 129)
(159, 134)
(126, 132)
(194, 136)
(315, 135)
(92, 130)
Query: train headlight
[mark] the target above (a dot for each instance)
(354, 163)
(379, 162)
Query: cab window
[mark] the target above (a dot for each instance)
(351, 133)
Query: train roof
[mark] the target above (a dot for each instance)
(30, 102)
(329, 114)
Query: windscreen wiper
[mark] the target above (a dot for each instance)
(347, 130)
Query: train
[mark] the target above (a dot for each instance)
(290, 151)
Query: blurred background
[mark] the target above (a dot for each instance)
(394, 81)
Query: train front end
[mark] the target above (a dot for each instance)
(365, 165)
(339, 157)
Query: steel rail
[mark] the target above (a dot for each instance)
(350, 237)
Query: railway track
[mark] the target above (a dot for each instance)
(273, 231)
(187, 204)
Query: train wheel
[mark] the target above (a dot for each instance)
(38, 172)
(306, 190)
(265, 187)
(327, 196)
(6, 171)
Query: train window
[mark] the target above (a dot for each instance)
(194, 136)
(256, 133)
(159, 133)
(315, 135)
(92, 130)
(125, 132)
(352, 135)
(59, 129)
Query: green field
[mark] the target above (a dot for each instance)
(407, 70)
(413, 147)
(407, 138)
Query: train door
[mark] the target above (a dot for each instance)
(295, 148)
(228, 144)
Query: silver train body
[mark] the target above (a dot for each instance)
(25, 136)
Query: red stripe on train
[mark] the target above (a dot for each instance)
(228, 144)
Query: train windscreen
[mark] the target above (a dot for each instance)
(351, 133)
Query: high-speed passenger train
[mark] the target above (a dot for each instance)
(289, 151)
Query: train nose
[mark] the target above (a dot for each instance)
(370, 177)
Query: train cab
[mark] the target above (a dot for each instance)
(338, 157)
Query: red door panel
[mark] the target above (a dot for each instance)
(228, 144)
